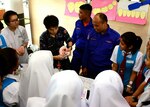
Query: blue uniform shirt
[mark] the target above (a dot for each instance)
(130, 62)
(80, 33)
(99, 48)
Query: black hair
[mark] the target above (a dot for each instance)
(8, 61)
(1, 25)
(7, 16)
(130, 39)
(139, 42)
(87, 7)
(50, 21)
(103, 17)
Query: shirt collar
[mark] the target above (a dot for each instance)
(16, 77)
(123, 52)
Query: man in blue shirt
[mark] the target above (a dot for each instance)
(100, 44)
(82, 27)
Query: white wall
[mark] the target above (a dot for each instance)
(38, 9)
(15, 5)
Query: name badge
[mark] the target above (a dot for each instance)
(130, 61)
(108, 41)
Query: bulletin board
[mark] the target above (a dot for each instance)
(72, 7)
(106, 6)
(136, 16)
(141, 30)
(114, 10)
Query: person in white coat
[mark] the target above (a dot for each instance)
(15, 35)
(65, 90)
(34, 81)
(106, 91)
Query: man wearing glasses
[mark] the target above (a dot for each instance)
(15, 35)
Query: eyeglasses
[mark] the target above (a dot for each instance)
(15, 20)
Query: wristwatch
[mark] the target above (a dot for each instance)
(130, 82)
(134, 99)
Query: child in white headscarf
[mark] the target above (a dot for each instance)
(106, 91)
(34, 82)
(65, 90)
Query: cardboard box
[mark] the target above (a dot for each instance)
(2, 11)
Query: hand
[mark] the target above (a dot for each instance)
(64, 51)
(68, 51)
(61, 57)
(128, 99)
(84, 71)
(69, 48)
(21, 50)
(129, 90)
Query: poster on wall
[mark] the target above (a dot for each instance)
(135, 16)
(108, 7)
(72, 7)
(105, 6)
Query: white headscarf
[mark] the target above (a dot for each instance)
(106, 91)
(34, 81)
(65, 90)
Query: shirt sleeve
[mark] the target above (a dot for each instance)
(4, 33)
(10, 94)
(24, 34)
(114, 54)
(75, 32)
(66, 35)
(147, 75)
(138, 62)
(85, 54)
(43, 45)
